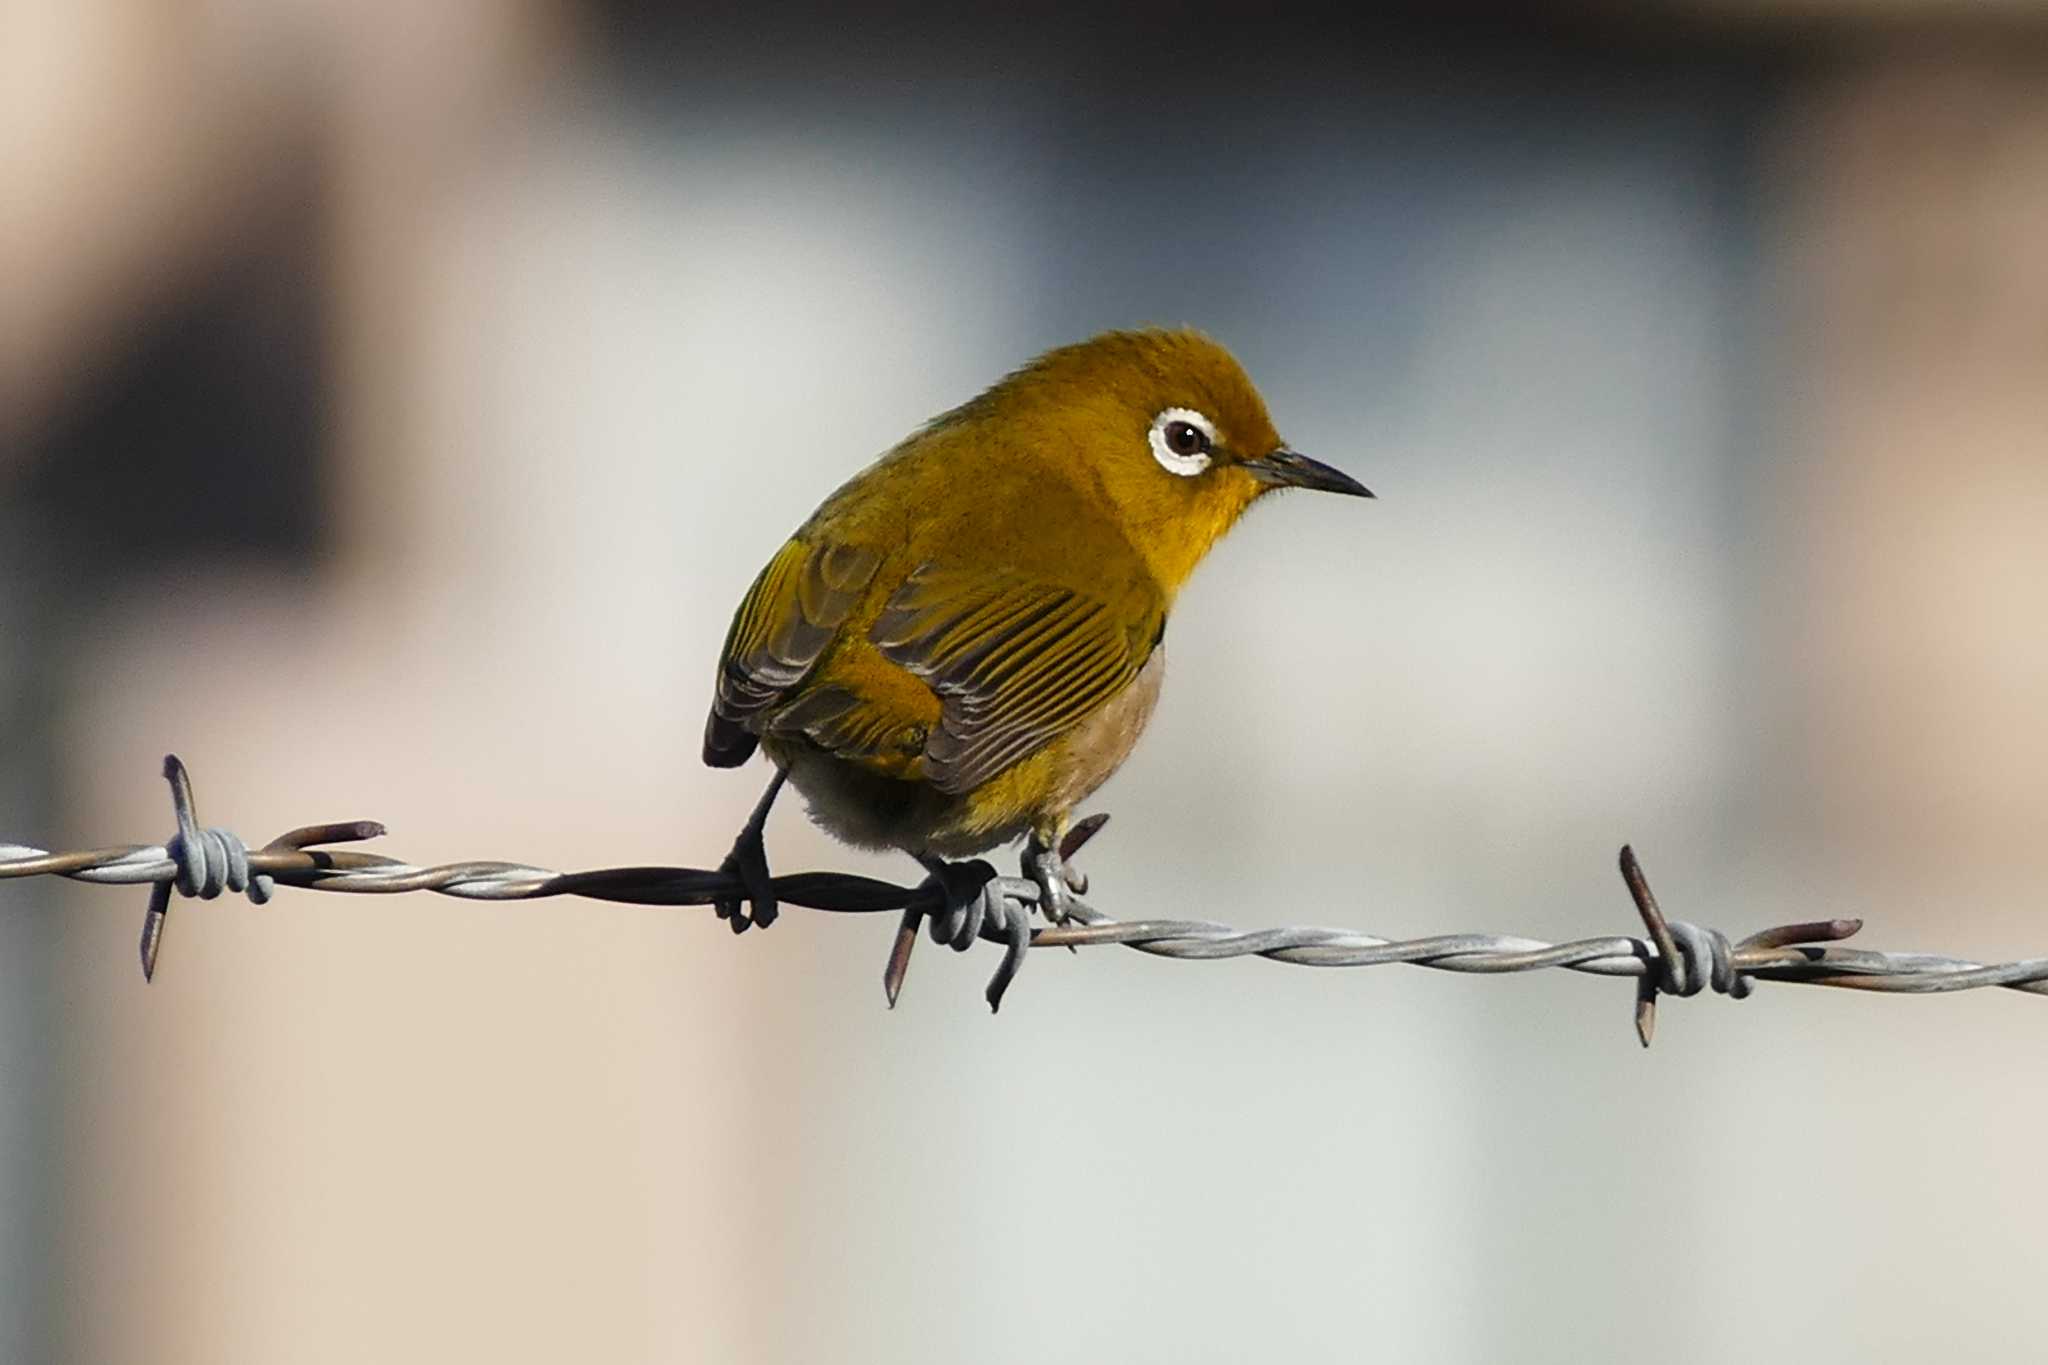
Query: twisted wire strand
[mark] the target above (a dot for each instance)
(1673, 957)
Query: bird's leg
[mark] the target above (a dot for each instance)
(1045, 864)
(1049, 864)
(748, 861)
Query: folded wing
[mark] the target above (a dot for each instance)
(788, 617)
(1014, 661)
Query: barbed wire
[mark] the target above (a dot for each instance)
(969, 902)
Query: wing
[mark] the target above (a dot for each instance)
(1014, 661)
(784, 623)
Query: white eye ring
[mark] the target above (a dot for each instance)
(1171, 460)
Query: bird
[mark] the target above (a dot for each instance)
(966, 639)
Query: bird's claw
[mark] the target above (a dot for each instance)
(1057, 880)
(748, 861)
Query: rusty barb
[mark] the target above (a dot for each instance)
(971, 903)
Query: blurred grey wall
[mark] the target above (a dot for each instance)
(30, 1087)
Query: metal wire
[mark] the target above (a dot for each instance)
(968, 901)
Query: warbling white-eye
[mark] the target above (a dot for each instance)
(966, 639)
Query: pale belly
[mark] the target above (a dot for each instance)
(1035, 794)
(1102, 742)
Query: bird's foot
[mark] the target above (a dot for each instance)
(972, 903)
(748, 861)
(1051, 869)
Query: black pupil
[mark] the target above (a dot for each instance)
(1184, 438)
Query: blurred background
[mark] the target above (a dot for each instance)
(396, 399)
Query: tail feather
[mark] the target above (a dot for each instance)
(727, 743)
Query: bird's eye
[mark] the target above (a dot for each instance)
(1181, 441)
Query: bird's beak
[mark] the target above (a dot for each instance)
(1286, 468)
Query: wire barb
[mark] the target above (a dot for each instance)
(208, 861)
(1689, 957)
(1674, 958)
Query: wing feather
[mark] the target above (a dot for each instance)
(792, 612)
(1014, 661)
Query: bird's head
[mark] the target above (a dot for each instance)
(1163, 429)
